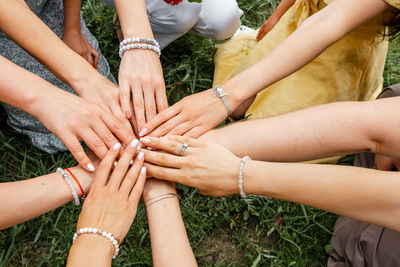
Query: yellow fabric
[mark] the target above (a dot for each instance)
(395, 3)
(350, 69)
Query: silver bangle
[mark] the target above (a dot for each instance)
(108, 235)
(218, 92)
(66, 178)
(154, 200)
(240, 182)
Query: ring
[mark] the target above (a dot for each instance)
(182, 149)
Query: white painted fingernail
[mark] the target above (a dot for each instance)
(90, 167)
(139, 146)
(130, 163)
(116, 146)
(140, 156)
(164, 137)
(115, 164)
(134, 143)
(143, 170)
(145, 140)
(149, 148)
(143, 132)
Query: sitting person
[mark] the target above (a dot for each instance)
(367, 195)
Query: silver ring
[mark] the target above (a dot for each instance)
(182, 149)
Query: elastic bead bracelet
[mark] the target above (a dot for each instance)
(240, 182)
(78, 183)
(108, 235)
(139, 46)
(66, 178)
(155, 200)
(139, 40)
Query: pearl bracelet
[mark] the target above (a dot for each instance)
(139, 46)
(240, 182)
(108, 235)
(66, 178)
(139, 40)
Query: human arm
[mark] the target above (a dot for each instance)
(27, 30)
(73, 36)
(24, 200)
(110, 207)
(362, 194)
(69, 117)
(283, 6)
(196, 114)
(169, 241)
(140, 70)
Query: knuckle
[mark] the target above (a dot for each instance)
(138, 103)
(97, 143)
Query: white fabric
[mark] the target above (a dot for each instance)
(215, 19)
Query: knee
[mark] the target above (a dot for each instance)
(186, 20)
(223, 22)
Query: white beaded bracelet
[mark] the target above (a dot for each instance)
(108, 235)
(139, 46)
(241, 168)
(139, 40)
(66, 178)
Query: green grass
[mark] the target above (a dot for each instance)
(223, 231)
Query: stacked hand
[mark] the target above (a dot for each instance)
(208, 167)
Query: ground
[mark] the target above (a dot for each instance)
(224, 231)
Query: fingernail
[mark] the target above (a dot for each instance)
(139, 146)
(164, 137)
(149, 148)
(127, 114)
(143, 132)
(90, 167)
(134, 143)
(141, 154)
(143, 170)
(145, 140)
(130, 163)
(115, 164)
(116, 146)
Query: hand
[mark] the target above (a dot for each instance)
(77, 42)
(141, 73)
(72, 119)
(112, 202)
(208, 167)
(267, 27)
(387, 163)
(192, 116)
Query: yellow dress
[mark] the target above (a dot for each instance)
(350, 69)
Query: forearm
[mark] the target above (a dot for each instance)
(311, 39)
(134, 19)
(26, 29)
(317, 132)
(283, 6)
(169, 241)
(90, 250)
(24, 200)
(72, 10)
(362, 194)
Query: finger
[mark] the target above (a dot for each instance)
(125, 98)
(105, 134)
(163, 159)
(149, 102)
(132, 175)
(122, 166)
(138, 188)
(94, 142)
(162, 173)
(76, 149)
(138, 104)
(161, 98)
(164, 144)
(117, 111)
(117, 127)
(169, 125)
(195, 132)
(103, 170)
(184, 139)
(89, 59)
(181, 128)
(95, 56)
(158, 120)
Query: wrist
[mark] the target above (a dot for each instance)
(82, 78)
(234, 95)
(85, 179)
(96, 244)
(155, 188)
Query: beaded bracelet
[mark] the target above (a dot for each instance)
(139, 46)
(155, 200)
(66, 178)
(108, 235)
(139, 40)
(240, 182)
